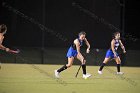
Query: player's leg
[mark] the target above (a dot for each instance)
(83, 62)
(118, 61)
(70, 62)
(106, 60)
(109, 55)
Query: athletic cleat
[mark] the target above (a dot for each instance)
(56, 74)
(85, 76)
(100, 72)
(120, 73)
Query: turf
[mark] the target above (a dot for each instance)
(32, 78)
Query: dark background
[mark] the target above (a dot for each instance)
(52, 25)
(62, 17)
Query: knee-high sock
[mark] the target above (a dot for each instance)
(102, 66)
(62, 68)
(84, 68)
(118, 67)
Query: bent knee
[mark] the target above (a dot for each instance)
(83, 62)
(105, 61)
(118, 62)
(69, 65)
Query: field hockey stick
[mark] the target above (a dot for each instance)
(80, 66)
(78, 71)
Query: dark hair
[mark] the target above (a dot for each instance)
(114, 34)
(82, 33)
(3, 28)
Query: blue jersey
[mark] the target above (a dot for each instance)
(72, 52)
(109, 53)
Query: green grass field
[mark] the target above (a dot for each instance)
(31, 78)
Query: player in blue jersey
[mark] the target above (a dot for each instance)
(74, 52)
(112, 53)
